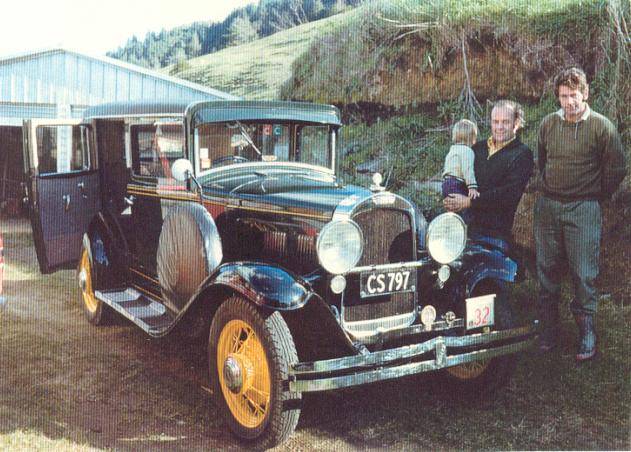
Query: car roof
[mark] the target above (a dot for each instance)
(136, 108)
(221, 111)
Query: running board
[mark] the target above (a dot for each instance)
(150, 315)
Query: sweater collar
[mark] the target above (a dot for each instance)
(583, 117)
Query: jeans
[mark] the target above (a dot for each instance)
(568, 232)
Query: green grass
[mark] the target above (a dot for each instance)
(407, 53)
(550, 17)
(257, 70)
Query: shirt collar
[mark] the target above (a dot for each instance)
(583, 117)
(493, 149)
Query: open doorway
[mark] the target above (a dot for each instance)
(11, 172)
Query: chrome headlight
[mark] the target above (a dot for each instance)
(340, 245)
(446, 237)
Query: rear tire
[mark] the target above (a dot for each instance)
(97, 312)
(249, 355)
(483, 378)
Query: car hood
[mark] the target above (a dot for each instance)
(320, 193)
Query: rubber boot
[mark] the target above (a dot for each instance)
(586, 337)
(549, 336)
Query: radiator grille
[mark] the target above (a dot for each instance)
(388, 238)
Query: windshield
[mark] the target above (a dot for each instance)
(237, 142)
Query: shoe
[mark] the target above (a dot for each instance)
(549, 335)
(586, 337)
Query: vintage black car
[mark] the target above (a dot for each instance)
(229, 219)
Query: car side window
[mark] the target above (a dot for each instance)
(62, 149)
(313, 145)
(154, 148)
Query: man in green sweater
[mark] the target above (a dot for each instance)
(581, 163)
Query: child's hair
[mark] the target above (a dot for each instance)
(464, 132)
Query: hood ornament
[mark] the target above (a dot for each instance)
(377, 180)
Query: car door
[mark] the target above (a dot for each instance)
(62, 185)
(154, 145)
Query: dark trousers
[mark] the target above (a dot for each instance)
(453, 185)
(568, 232)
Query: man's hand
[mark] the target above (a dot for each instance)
(456, 202)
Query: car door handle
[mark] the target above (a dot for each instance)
(81, 186)
(130, 200)
(25, 191)
(66, 201)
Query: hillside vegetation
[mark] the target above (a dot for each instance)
(246, 24)
(257, 70)
(429, 52)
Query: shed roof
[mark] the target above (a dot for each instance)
(31, 55)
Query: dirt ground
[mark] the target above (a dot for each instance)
(65, 384)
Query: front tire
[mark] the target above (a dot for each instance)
(249, 355)
(482, 378)
(97, 312)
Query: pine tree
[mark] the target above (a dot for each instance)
(241, 31)
(194, 47)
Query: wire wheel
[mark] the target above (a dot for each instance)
(469, 370)
(483, 377)
(250, 351)
(243, 373)
(97, 312)
(90, 303)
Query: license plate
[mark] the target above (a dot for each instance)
(375, 284)
(480, 311)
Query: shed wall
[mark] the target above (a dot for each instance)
(62, 84)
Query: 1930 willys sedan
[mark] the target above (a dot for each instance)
(228, 219)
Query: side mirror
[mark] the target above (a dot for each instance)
(182, 170)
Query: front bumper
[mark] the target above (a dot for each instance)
(434, 354)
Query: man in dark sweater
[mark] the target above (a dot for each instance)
(503, 165)
(581, 163)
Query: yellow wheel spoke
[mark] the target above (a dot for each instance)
(263, 394)
(258, 409)
(244, 344)
(235, 341)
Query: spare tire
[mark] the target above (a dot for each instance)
(189, 250)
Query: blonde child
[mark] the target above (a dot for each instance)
(458, 173)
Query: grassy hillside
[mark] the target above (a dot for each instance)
(258, 69)
(414, 52)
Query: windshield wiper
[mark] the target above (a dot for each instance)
(248, 138)
(311, 176)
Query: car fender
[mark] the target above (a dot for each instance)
(484, 263)
(106, 268)
(265, 285)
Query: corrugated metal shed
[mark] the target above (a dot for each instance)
(59, 83)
